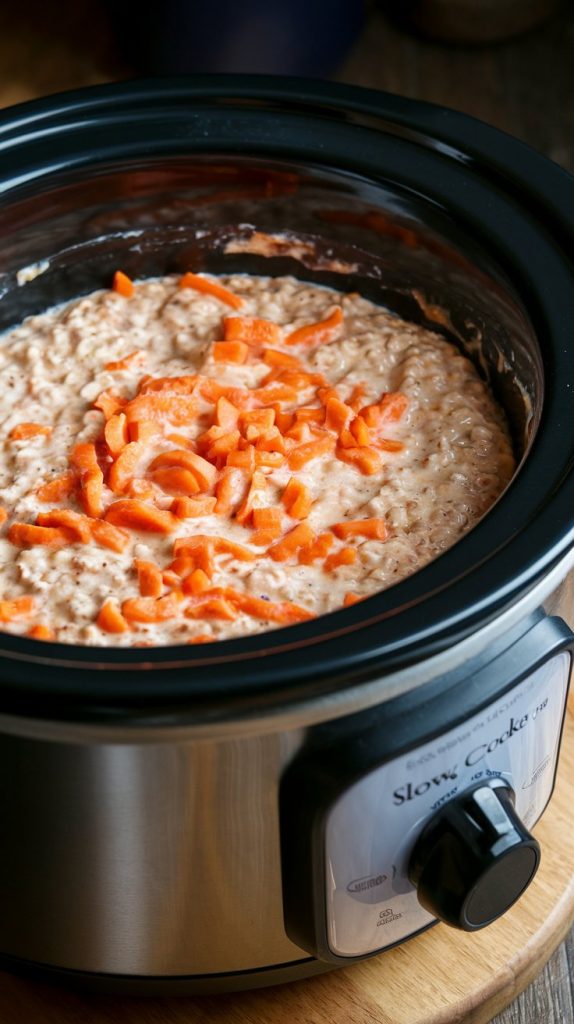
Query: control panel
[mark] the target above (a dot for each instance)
(497, 768)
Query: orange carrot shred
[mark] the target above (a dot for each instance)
(110, 619)
(41, 632)
(274, 357)
(124, 468)
(151, 609)
(251, 330)
(202, 284)
(201, 638)
(26, 534)
(109, 536)
(109, 403)
(300, 536)
(226, 491)
(17, 608)
(25, 430)
(269, 611)
(194, 545)
(57, 489)
(127, 362)
(360, 432)
(211, 608)
(142, 430)
(311, 450)
(230, 351)
(189, 508)
(346, 556)
(367, 460)
(137, 515)
(3, 516)
(226, 414)
(204, 472)
(149, 578)
(78, 525)
(122, 284)
(175, 480)
(351, 598)
(116, 433)
(319, 548)
(318, 333)
(297, 499)
(372, 528)
(196, 583)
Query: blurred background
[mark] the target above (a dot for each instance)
(509, 62)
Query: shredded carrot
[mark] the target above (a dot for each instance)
(318, 333)
(367, 460)
(299, 537)
(186, 384)
(203, 471)
(109, 536)
(122, 284)
(136, 515)
(110, 619)
(125, 466)
(226, 414)
(182, 566)
(175, 480)
(134, 358)
(243, 459)
(261, 419)
(84, 459)
(196, 583)
(27, 535)
(390, 409)
(319, 548)
(41, 632)
(221, 545)
(245, 510)
(57, 489)
(142, 430)
(269, 611)
(351, 598)
(17, 608)
(346, 556)
(178, 409)
(149, 578)
(226, 490)
(312, 450)
(356, 397)
(268, 519)
(223, 445)
(251, 330)
(372, 528)
(387, 445)
(189, 508)
(109, 403)
(25, 430)
(116, 433)
(360, 432)
(202, 284)
(274, 357)
(211, 608)
(151, 609)
(3, 516)
(201, 638)
(78, 525)
(230, 351)
(297, 499)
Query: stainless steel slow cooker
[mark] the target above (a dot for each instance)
(232, 815)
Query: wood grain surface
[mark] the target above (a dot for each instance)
(524, 86)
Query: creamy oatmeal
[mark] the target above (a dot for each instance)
(189, 459)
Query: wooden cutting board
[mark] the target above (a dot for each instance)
(441, 977)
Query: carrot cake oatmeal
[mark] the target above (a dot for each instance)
(191, 459)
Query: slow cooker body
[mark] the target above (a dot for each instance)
(186, 820)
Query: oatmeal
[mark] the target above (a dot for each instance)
(191, 459)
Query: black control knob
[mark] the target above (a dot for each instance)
(474, 858)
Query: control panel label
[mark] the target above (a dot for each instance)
(372, 828)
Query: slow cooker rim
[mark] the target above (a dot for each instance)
(15, 651)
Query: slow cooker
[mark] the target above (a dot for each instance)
(199, 818)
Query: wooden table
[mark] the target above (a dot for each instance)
(524, 86)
